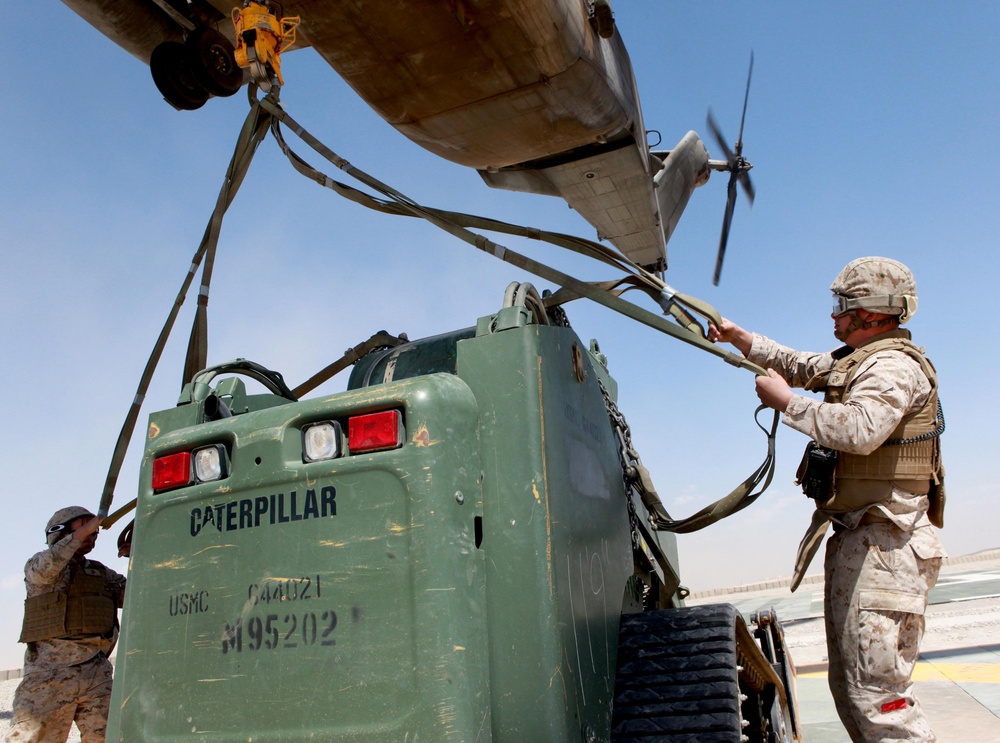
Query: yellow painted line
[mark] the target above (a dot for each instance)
(933, 672)
(972, 673)
(813, 675)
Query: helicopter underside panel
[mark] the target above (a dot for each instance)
(489, 84)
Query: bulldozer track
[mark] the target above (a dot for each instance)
(679, 675)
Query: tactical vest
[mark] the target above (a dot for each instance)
(910, 459)
(86, 608)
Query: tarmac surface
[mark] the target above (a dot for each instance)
(957, 678)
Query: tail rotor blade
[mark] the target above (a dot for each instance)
(719, 139)
(746, 97)
(747, 185)
(726, 222)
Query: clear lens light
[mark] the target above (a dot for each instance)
(208, 464)
(321, 441)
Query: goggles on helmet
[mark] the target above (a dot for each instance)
(842, 305)
(56, 528)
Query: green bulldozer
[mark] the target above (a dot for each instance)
(452, 549)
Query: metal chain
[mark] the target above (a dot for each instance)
(630, 475)
(557, 316)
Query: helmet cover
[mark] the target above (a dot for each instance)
(877, 284)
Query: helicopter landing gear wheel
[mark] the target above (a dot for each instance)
(211, 59)
(172, 75)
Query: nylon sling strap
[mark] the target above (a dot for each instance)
(387, 206)
(441, 220)
(380, 340)
(673, 306)
(671, 300)
(253, 133)
(112, 518)
(250, 136)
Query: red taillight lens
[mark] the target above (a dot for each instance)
(375, 431)
(172, 471)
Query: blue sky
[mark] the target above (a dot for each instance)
(872, 128)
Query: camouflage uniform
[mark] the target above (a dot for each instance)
(65, 681)
(883, 559)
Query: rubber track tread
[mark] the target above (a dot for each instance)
(677, 679)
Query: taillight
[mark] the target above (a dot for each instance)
(375, 431)
(204, 464)
(172, 471)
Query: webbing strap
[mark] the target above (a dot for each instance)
(446, 222)
(738, 499)
(250, 136)
(112, 518)
(639, 280)
(673, 303)
(380, 340)
(386, 206)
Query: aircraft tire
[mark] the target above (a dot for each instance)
(172, 75)
(212, 61)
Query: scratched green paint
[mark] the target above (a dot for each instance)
(464, 586)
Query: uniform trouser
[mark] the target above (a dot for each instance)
(876, 594)
(48, 701)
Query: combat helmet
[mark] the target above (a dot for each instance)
(60, 521)
(878, 285)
